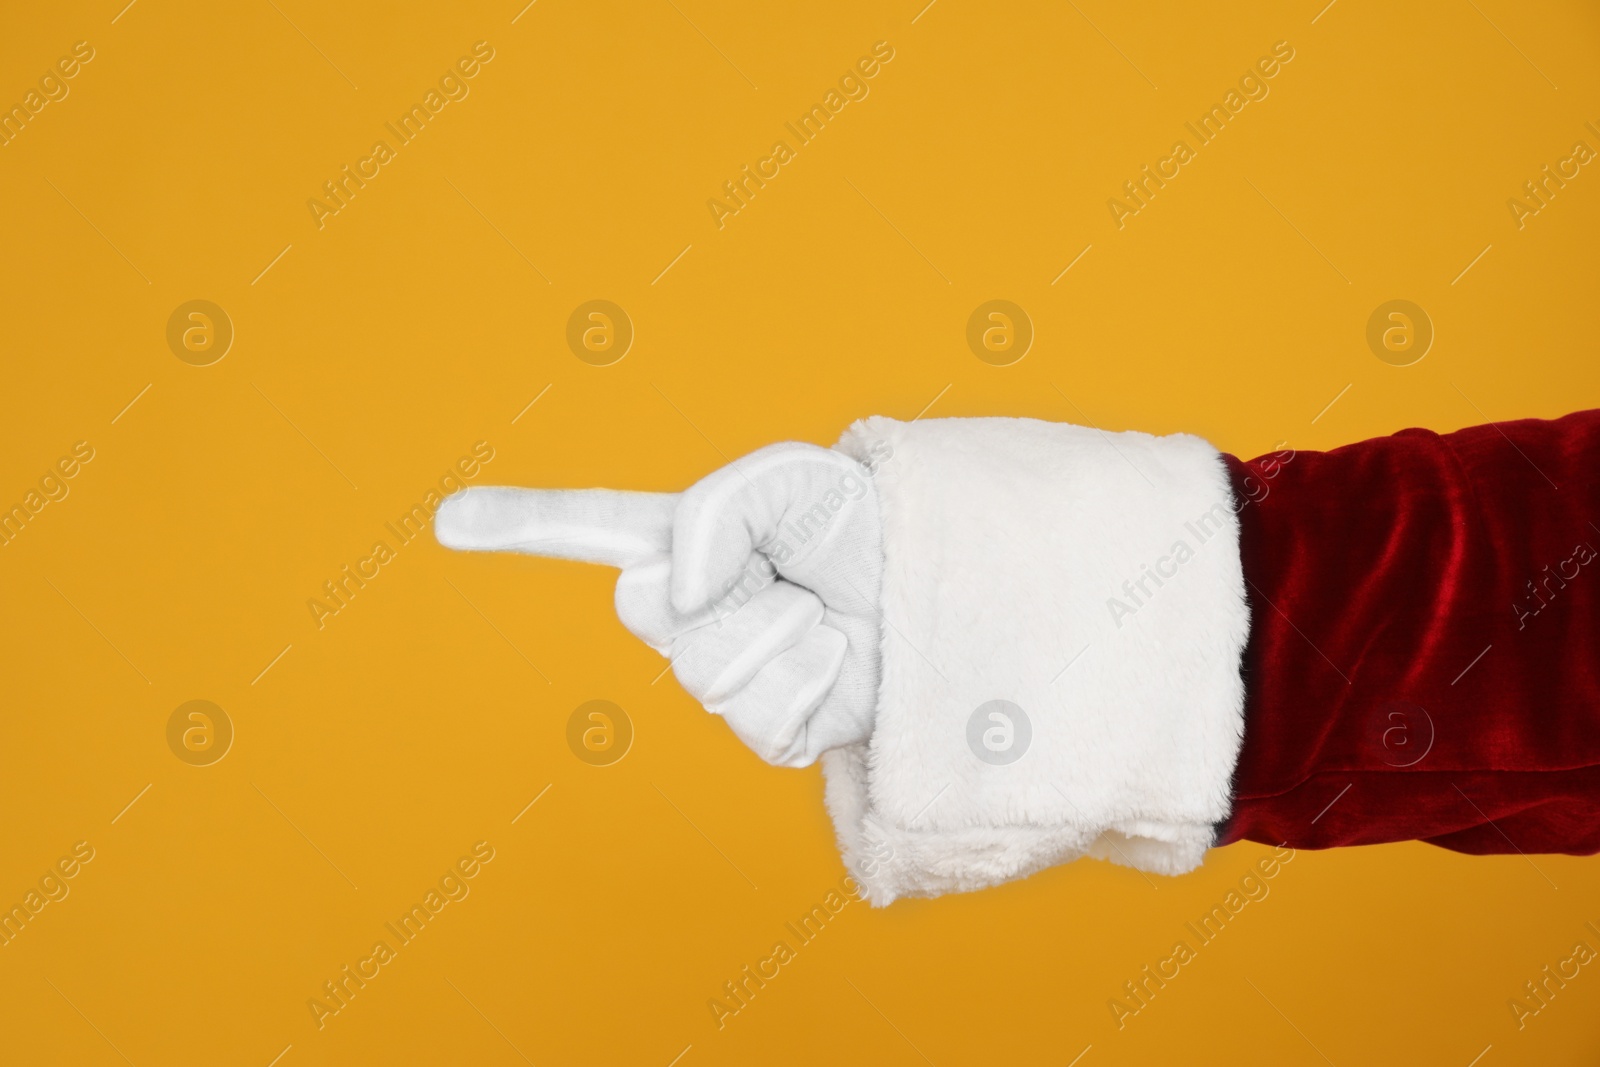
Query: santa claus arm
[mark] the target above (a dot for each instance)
(1424, 655)
(1015, 643)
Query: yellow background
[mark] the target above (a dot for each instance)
(423, 718)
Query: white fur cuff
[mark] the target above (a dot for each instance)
(1064, 615)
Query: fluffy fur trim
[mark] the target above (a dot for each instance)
(1092, 583)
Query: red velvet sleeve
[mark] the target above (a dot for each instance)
(1424, 660)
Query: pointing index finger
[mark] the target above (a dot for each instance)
(612, 527)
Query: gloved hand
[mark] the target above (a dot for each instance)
(760, 583)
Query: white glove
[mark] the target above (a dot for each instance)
(760, 583)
